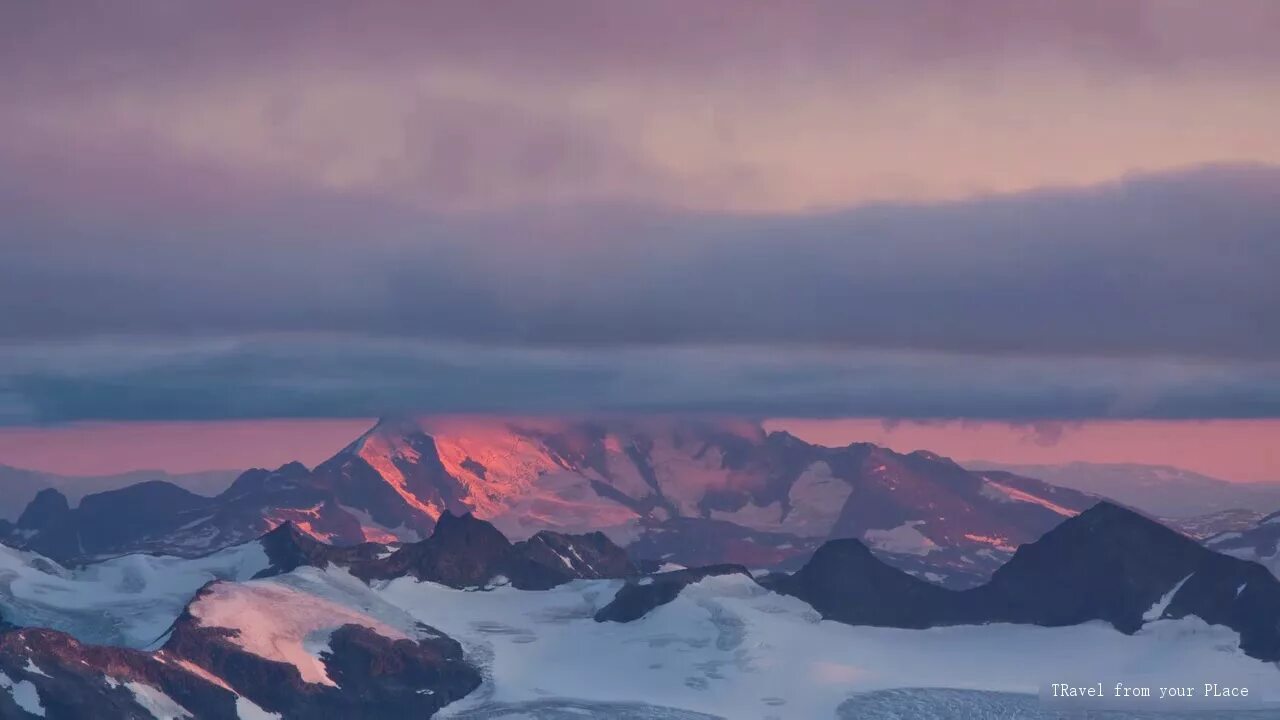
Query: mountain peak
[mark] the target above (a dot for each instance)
(844, 581)
(396, 425)
(292, 467)
(467, 529)
(287, 530)
(1107, 520)
(48, 507)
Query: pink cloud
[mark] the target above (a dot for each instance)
(743, 106)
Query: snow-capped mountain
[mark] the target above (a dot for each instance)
(1159, 490)
(211, 637)
(687, 491)
(291, 630)
(242, 652)
(131, 600)
(1108, 563)
(1259, 543)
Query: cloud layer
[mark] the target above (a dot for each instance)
(997, 209)
(1177, 265)
(717, 106)
(361, 376)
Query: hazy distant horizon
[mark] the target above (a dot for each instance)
(1232, 450)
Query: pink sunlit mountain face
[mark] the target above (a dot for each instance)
(690, 492)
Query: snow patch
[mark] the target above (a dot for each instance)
(374, 531)
(24, 693)
(1003, 493)
(767, 518)
(129, 600)
(816, 498)
(1157, 610)
(194, 670)
(997, 542)
(316, 644)
(905, 539)
(154, 701)
(246, 710)
(278, 621)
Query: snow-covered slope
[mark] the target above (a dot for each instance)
(724, 647)
(319, 638)
(128, 601)
(305, 645)
(728, 648)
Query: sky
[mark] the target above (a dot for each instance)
(1233, 450)
(1003, 211)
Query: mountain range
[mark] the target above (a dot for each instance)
(21, 485)
(1108, 564)
(692, 492)
(1158, 490)
(286, 626)
(620, 567)
(1259, 542)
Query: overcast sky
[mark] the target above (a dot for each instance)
(997, 210)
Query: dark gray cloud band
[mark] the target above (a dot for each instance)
(1181, 265)
(360, 376)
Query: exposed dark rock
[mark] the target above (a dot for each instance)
(289, 548)
(410, 678)
(635, 599)
(374, 676)
(103, 522)
(72, 681)
(1108, 563)
(46, 510)
(1113, 564)
(203, 670)
(844, 581)
(695, 542)
(462, 552)
(467, 552)
(588, 556)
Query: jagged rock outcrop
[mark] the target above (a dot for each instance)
(468, 552)
(288, 548)
(1108, 563)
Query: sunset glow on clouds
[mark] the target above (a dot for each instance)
(1002, 210)
(742, 107)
